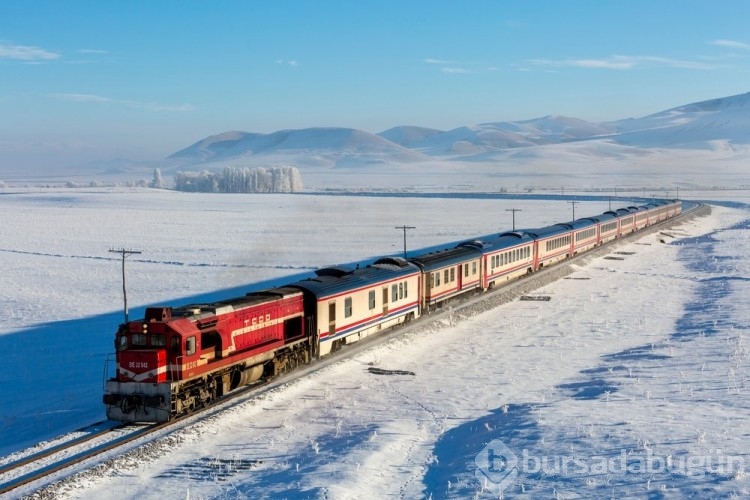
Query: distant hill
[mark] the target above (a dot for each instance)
(696, 125)
(497, 136)
(726, 119)
(334, 147)
(407, 135)
(703, 144)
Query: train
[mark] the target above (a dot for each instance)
(175, 360)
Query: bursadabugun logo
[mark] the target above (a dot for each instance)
(497, 466)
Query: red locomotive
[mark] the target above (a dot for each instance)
(177, 359)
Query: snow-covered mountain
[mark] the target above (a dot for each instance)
(553, 129)
(470, 140)
(335, 146)
(487, 137)
(700, 125)
(408, 135)
(726, 119)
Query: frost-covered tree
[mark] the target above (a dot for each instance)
(241, 180)
(287, 179)
(157, 182)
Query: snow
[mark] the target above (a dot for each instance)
(631, 360)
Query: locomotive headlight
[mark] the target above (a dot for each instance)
(145, 327)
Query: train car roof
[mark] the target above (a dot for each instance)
(499, 242)
(510, 239)
(441, 258)
(549, 231)
(336, 280)
(603, 217)
(580, 223)
(478, 244)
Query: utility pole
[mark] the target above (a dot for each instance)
(404, 228)
(125, 254)
(514, 210)
(574, 203)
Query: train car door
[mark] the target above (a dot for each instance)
(573, 245)
(460, 272)
(332, 318)
(385, 301)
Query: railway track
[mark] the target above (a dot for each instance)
(39, 470)
(49, 465)
(34, 466)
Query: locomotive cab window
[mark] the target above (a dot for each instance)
(190, 346)
(139, 339)
(122, 342)
(176, 344)
(158, 340)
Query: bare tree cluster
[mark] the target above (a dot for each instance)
(241, 180)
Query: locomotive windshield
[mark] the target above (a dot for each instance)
(142, 340)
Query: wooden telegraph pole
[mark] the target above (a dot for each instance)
(574, 203)
(125, 254)
(404, 228)
(514, 210)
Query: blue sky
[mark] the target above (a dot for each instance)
(94, 80)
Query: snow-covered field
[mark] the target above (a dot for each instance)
(630, 381)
